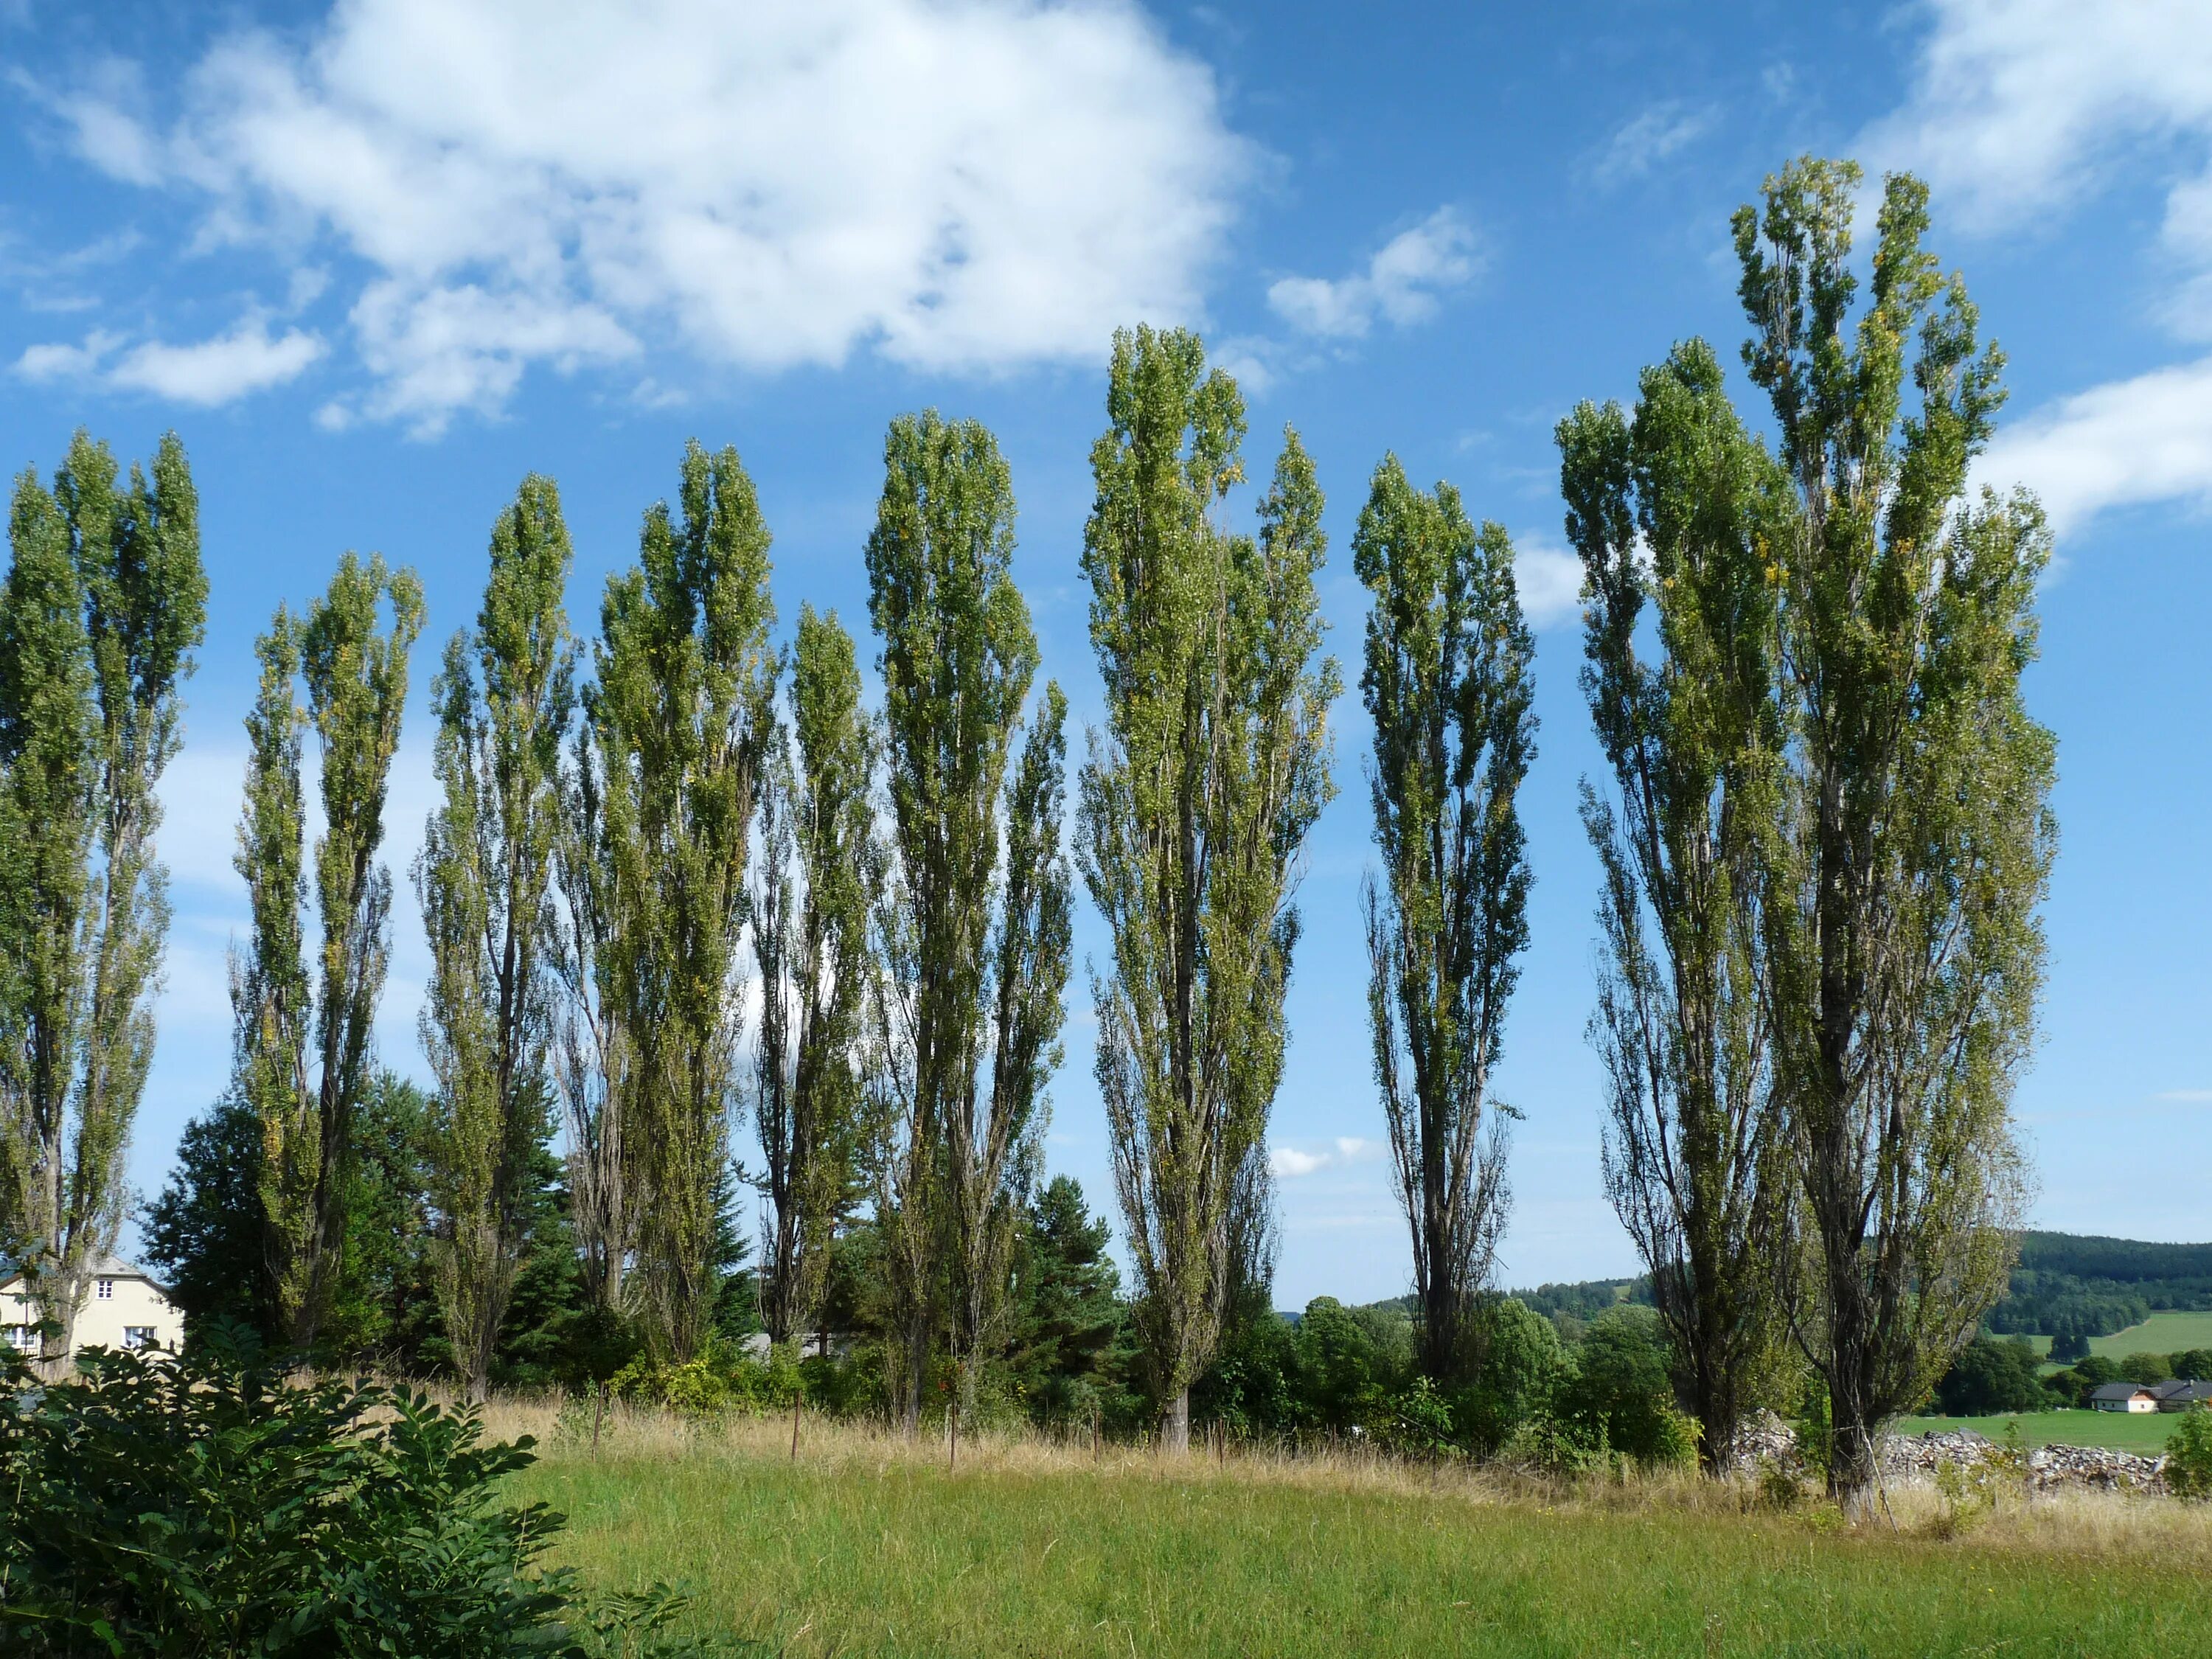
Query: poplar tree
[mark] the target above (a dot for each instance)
(1448, 686)
(817, 878)
(680, 716)
(1676, 512)
(1913, 846)
(958, 654)
(104, 602)
(304, 1057)
(504, 699)
(1195, 804)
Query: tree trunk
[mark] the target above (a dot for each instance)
(917, 1367)
(1851, 1471)
(1174, 1423)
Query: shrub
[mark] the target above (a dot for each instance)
(723, 1377)
(1623, 1389)
(2145, 1368)
(204, 1505)
(1990, 1377)
(2189, 1455)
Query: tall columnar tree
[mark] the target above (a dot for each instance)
(1195, 803)
(1676, 514)
(304, 1056)
(818, 872)
(104, 602)
(680, 718)
(958, 655)
(504, 699)
(1914, 842)
(1448, 686)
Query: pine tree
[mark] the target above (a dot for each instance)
(104, 602)
(304, 1058)
(680, 718)
(504, 699)
(1449, 689)
(1194, 806)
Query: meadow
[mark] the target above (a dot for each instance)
(2144, 1432)
(864, 1545)
(2162, 1333)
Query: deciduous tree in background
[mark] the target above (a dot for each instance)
(958, 655)
(1448, 686)
(1677, 512)
(1914, 840)
(504, 699)
(817, 877)
(680, 720)
(104, 602)
(304, 1059)
(1195, 806)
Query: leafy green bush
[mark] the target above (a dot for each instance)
(722, 1379)
(2189, 1455)
(204, 1505)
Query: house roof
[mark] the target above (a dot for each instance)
(2120, 1391)
(105, 1267)
(2185, 1388)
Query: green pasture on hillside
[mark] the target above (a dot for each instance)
(2162, 1333)
(888, 1558)
(2144, 1432)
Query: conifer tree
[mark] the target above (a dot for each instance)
(104, 602)
(816, 879)
(1448, 687)
(504, 699)
(1674, 512)
(680, 718)
(305, 1061)
(1195, 804)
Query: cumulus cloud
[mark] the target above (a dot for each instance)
(958, 184)
(1401, 285)
(2023, 107)
(1288, 1163)
(1550, 579)
(247, 358)
(1651, 138)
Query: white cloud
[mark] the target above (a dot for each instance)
(2022, 107)
(2147, 439)
(958, 184)
(1401, 285)
(1288, 1163)
(1651, 138)
(2190, 1096)
(1550, 579)
(246, 359)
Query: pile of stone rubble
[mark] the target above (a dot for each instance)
(1766, 1439)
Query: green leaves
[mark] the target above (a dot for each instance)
(304, 1061)
(103, 602)
(1194, 806)
(1448, 686)
(505, 699)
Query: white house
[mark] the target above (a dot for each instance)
(2123, 1397)
(123, 1309)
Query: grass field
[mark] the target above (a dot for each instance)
(2121, 1431)
(2162, 1333)
(864, 1546)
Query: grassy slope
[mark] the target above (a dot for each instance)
(2162, 1333)
(2129, 1432)
(876, 1554)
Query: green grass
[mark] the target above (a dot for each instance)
(2162, 1333)
(875, 1554)
(2145, 1432)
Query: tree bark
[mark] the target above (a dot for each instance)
(1175, 1424)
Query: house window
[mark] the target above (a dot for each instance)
(138, 1336)
(107, 1289)
(24, 1339)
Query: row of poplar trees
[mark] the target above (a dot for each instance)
(1823, 846)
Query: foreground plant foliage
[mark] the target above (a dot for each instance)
(210, 1505)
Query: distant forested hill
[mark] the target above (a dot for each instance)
(2066, 1285)
(2070, 1285)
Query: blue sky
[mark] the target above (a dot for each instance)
(375, 264)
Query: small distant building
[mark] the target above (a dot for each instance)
(2125, 1397)
(2181, 1393)
(124, 1307)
